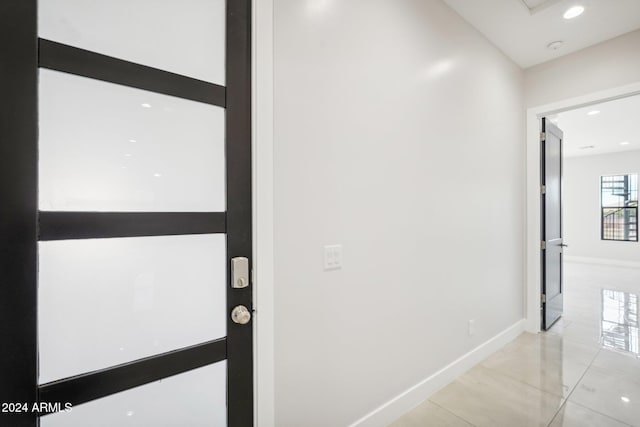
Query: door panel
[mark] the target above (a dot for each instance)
(553, 284)
(134, 150)
(103, 302)
(134, 197)
(552, 288)
(186, 37)
(194, 399)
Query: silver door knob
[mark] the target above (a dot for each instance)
(241, 315)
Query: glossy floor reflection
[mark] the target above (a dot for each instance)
(584, 372)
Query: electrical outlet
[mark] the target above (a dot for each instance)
(332, 257)
(472, 327)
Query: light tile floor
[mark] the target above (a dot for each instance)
(584, 372)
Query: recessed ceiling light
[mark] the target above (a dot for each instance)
(587, 147)
(127, 155)
(157, 175)
(555, 45)
(145, 105)
(593, 113)
(573, 12)
(132, 140)
(625, 399)
(624, 143)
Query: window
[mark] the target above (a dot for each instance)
(619, 207)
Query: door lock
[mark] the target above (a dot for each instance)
(239, 272)
(241, 315)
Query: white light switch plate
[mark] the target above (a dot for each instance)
(332, 257)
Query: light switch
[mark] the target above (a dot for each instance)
(332, 257)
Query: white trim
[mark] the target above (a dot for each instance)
(602, 261)
(409, 399)
(532, 249)
(262, 149)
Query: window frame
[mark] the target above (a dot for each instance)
(603, 207)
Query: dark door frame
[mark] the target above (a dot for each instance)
(22, 225)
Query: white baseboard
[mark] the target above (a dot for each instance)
(409, 399)
(602, 261)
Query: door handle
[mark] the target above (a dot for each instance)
(563, 245)
(241, 315)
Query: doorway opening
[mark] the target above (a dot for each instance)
(596, 274)
(599, 272)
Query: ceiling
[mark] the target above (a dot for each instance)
(616, 122)
(523, 29)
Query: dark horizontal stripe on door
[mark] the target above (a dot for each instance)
(69, 59)
(94, 385)
(95, 225)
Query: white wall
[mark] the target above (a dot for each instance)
(398, 134)
(582, 206)
(610, 64)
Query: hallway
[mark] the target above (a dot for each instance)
(584, 372)
(318, 213)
